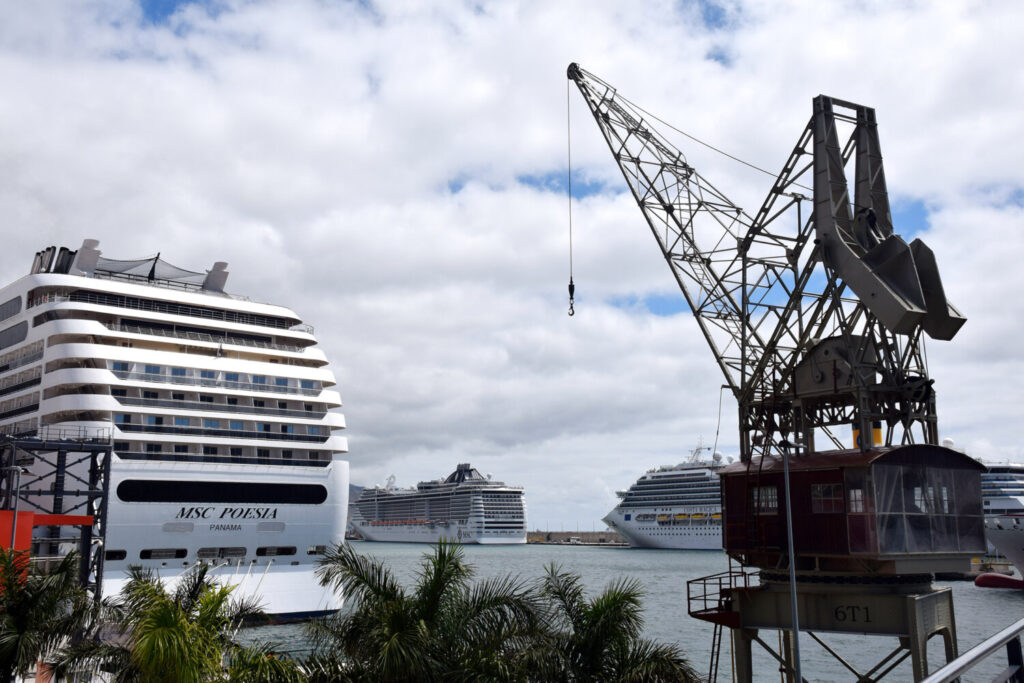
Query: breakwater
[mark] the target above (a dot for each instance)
(606, 537)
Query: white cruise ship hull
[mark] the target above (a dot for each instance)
(283, 579)
(426, 533)
(1006, 534)
(693, 534)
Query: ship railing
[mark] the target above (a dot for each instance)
(205, 382)
(201, 336)
(73, 433)
(710, 597)
(1009, 638)
(219, 407)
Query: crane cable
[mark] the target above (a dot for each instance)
(568, 143)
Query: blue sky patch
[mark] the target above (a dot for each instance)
(157, 12)
(909, 218)
(662, 305)
(719, 54)
(555, 181)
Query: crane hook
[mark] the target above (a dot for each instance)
(572, 292)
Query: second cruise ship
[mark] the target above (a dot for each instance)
(220, 410)
(466, 507)
(677, 507)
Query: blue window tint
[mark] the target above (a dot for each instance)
(264, 427)
(154, 420)
(121, 366)
(312, 429)
(153, 369)
(236, 424)
(177, 372)
(208, 374)
(211, 424)
(231, 376)
(281, 381)
(181, 422)
(259, 379)
(122, 419)
(118, 392)
(628, 517)
(287, 429)
(306, 384)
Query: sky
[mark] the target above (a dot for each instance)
(395, 173)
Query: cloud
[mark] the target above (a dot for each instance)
(391, 172)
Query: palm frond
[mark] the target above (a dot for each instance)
(357, 577)
(565, 589)
(644, 661)
(442, 574)
(262, 664)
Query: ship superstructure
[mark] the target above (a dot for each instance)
(220, 411)
(678, 506)
(466, 506)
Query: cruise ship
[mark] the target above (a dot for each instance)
(678, 507)
(219, 409)
(1002, 491)
(466, 507)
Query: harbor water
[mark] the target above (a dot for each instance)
(979, 612)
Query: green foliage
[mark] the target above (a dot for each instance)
(180, 636)
(39, 610)
(501, 629)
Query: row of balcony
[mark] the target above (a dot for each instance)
(202, 336)
(230, 433)
(218, 407)
(206, 382)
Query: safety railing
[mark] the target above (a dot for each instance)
(201, 336)
(219, 407)
(1008, 637)
(205, 382)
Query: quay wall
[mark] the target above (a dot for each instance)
(606, 537)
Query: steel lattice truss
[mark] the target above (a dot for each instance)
(801, 352)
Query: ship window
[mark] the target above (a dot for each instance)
(208, 374)
(118, 392)
(178, 397)
(209, 450)
(154, 420)
(177, 372)
(856, 500)
(283, 405)
(121, 366)
(258, 403)
(766, 499)
(205, 399)
(232, 401)
(287, 429)
(231, 376)
(264, 426)
(10, 308)
(259, 379)
(308, 407)
(306, 384)
(211, 424)
(162, 553)
(263, 452)
(210, 553)
(154, 448)
(235, 424)
(236, 451)
(312, 429)
(826, 498)
(150, 394)
(171, 491)
(153, 369)
(281, 381)
(316, 550)
(180, 448)
(287, 455)
(122, 419)
(112, 555)
(275, 551)
(181, 422)
(120, 445)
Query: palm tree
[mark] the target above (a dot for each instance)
(444, 628)
(182, 636)
(39, 610)
(600, 639)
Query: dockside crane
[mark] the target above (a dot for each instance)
(815, 310)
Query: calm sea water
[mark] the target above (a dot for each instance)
(979, 612)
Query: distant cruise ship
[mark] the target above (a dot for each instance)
(220, 411)
(1002, 492)
(466, 507)
(676, 507)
